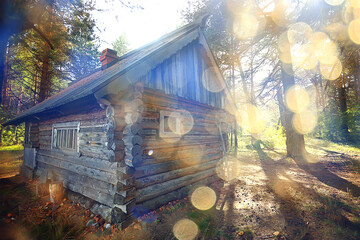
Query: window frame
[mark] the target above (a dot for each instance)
(65, 126)
(171, 134)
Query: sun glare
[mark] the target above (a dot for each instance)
(185, 229)
(304, 122)
(203, 198)
(297, 99)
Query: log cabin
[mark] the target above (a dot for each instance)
(142, 130)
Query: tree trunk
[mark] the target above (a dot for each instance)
(45, 79)
(281, 106)
(4, 75)
(343, 109)
(295, 143)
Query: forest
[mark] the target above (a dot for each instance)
(318, 61)
(292, 68)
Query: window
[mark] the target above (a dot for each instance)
(169, 124)
(65, 136)
(175, 124)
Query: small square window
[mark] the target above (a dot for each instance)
(169, 124)
(65, 136)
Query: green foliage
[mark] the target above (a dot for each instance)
(329, 125)
(10, 135)
(274, 137)
(84, 54)
(121, 45)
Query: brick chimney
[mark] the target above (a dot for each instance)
(108, 58)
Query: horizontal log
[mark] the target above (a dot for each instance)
(133, 161)
(125, 172)
(83, 117)
(93, 136)
(116, 145)
(131, 118)
(127, 207)
(44, 142)
(89, 162)
(163, 177)
(173, 164)
(100, 197)
(63, 174)
(177, 194)
(132, 140)
(132, 129)
(166, 187)
(135, 105)
(93, 144)
(79, 169)
(101, 150)
(101, 129)
(116, 156)
(155, 144)
(133, 150)
(45, 133)
(124, 196)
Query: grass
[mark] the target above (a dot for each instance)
(10, 160)
(12, 148)
(332, 146)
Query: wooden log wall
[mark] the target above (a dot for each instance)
(93, 171)
(127, 144)
(172, 165)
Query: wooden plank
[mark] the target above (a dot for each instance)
(63, 174)
(168, 175)
(94, 163)
(177, 194)
(166, 187)
(170, 165)
(79, 169)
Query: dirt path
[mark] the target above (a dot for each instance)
(277, 197)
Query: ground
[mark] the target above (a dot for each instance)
(267, 196)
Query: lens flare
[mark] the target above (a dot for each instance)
(354, 31)
(326, 50)
(354, 3)
(304, 122)
(301, 73)
(211, 82)
(299, 33)
(236, 7)
(250, 118)
(331, 71)
(190, 157)
(337, 31)
(285, 57)
(185, 229)
(334, 2)
(246, 26)
(297, 99)
(303, 57)
(186, 122)
(228, 169)
(179, 122)
(203, 198)
(283, 42)
(281, 14)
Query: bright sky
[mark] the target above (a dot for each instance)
(139, 26)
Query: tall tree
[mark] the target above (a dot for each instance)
(84, 54)
(121, 45)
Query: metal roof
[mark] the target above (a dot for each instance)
(153, 53)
